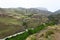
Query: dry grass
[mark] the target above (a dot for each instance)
(50, 33)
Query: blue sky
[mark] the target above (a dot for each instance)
(51, 5)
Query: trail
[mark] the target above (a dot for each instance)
(14, 35)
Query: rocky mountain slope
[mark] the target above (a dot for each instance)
(51, 32)
(14, 20)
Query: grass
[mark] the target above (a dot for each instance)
(9, 26)
(10, 30)
(8, 20)
(30, 32)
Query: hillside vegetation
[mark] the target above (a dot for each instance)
(15, 20)
(49, 33)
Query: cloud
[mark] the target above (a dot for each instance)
(49, 4)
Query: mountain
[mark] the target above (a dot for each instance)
(55, 16)
(14, 20)
(57, 12)
(41, 8)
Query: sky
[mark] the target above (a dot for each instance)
(51, 5)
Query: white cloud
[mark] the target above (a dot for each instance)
(50, 4)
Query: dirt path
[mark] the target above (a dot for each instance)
(13, 35)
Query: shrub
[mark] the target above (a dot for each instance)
(48, 33)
